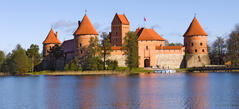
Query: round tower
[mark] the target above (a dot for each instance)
(50, 41)
(195, 42)
(82, 36)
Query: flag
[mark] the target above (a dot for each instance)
(144, 19)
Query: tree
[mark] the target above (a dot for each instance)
(232, 46)
(130, 47)
(7, 64)
(112, 64)
(94, 61)
(19, 61)
(55, 52)
(218, 51)
(2, 59)
(34, 55)
(105, 47)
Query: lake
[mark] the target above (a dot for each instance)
(144, 91)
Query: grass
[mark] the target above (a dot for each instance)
(118, 71)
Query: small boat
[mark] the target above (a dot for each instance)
(165, 71)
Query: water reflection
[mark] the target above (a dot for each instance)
(145, 91)
(197, 91)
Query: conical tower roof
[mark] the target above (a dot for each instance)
(85, 27)
(195, 29)
(51, 38)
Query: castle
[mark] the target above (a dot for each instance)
(151, 46)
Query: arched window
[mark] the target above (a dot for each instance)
(192, 44)
(147, 47)
(80, 44)
(203, 50)
(201, 43)
(196, 50)
(81, 51)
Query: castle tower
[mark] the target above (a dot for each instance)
(119, 28)
(195, 42)
(82, 36)
(50, 41)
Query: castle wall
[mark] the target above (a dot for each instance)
(197, 60)
(119, 57)
(170, 61)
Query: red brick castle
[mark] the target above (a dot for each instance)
(151, 46)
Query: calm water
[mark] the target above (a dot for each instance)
(152, 91)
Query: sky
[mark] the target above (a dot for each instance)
(28, 22)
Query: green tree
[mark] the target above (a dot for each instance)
(56, 53)
(105, 47)
(94, 61)
(2, 59)
(73, 66)
(218, 51)
(34, 55)
(19, 60)
(7, 64)
(130, 47)
(112, 64)
(232, 46)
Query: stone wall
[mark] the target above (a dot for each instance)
(120, 58)
(170, 61)
(197, 60)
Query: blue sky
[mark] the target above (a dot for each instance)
(28, 22)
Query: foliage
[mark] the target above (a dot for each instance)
(172, 44)
(34, 55)
(2, 59)
(217, 51)
(19, 64)
(105, 47)
(55, 53)
(112, 65)
(93, 60)
(72, 66)
(130, 47)
(232, 46)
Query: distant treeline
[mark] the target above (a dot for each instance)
(225, 49)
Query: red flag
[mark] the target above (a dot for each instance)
(144, 19)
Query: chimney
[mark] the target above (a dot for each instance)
(56, 34)
(79, 22)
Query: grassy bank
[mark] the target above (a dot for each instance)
(118, 71)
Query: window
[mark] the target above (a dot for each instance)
(202, 50)
(201, 43)
(147, 47)
(81, 51)
(80, 44)
(192, 44)
(196, 50)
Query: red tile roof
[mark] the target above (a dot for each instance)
(123, 19)
(169, 47)
(85, 27)
(51, 38)
(195, 29)
(116, 48)
(148, 34)
(68, 46)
